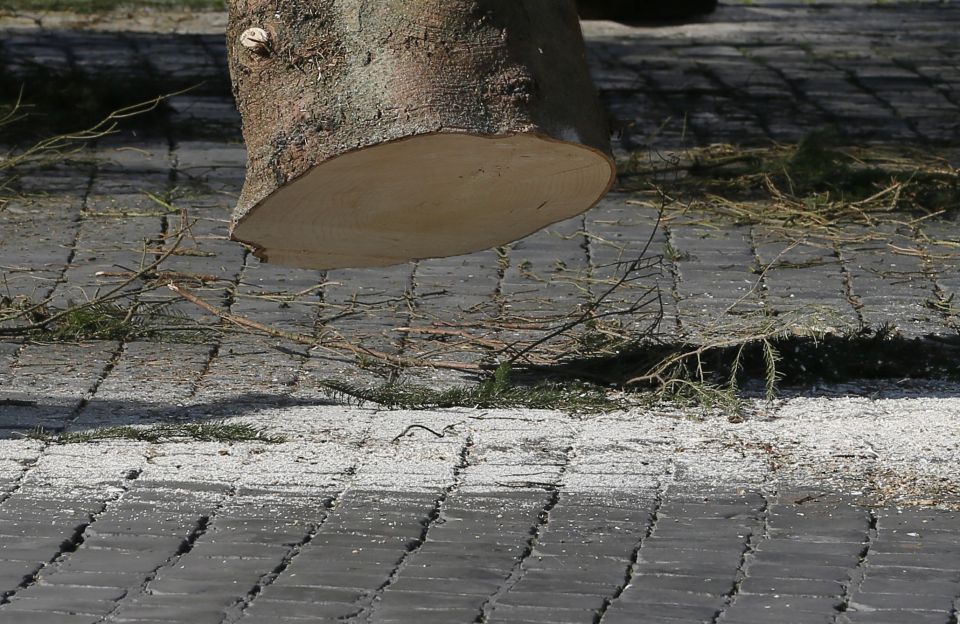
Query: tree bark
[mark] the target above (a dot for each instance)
(381, 131)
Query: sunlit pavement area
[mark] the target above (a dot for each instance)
(833, 503)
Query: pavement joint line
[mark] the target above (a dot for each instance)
(657, 87)
(318, 321)
(78, 224)
(674, 270)
(503, 264)
(72, 245)
(799, 94)
(213, 57)
(239, 610)
(317, 329)
(200, 528)
(750, 545)
(27, 467)
(367, 612)
(174, 174)
(855, 80)
(74, 541)
(726, 89)
(661, 493)
(172, 169)
(117, 354)
(214, 351)
(640, 81)
(760, 289)
(941, 296)
(91, 393)
(543, 519)
(294, 551)
(946, 93)
(859, 574)
(147, 63)
(410, 295)
(850, 294)
(587, 245)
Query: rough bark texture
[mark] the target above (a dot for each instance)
(337, 76)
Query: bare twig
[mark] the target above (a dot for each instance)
(110, 295)
(441, 434)
(335, 345)
(590, 312)
(470, 338)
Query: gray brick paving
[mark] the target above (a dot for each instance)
(503, 525)
(293, 573)
(58, 380)
(742, 73)
(153, 553)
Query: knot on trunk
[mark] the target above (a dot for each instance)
(257, 40)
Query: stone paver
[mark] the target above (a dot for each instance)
(480, 526)
(749, 75)
(822, 509)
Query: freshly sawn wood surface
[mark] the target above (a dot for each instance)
(381, 131)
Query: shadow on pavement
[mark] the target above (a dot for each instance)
(828, 366)
(22, 413)
(70, 80)
(743, 75)
(800, 361)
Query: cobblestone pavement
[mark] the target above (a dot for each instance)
(508, 517)
(823, 509)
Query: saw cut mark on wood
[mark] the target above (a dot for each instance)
(428, 196)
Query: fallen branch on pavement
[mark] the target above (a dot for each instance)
(305, 339)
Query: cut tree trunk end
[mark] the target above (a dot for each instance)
(395, 130)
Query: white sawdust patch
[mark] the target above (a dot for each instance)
(848, 444)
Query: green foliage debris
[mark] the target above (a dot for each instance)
(175, 432)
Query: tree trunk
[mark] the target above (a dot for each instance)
(381, 131)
